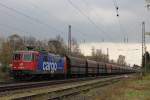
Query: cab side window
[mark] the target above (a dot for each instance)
(45, 58)
(35, 57)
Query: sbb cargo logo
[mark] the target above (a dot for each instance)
(50, 66)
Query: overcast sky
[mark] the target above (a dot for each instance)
(91, 20)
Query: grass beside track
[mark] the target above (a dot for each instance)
(54, 91)
(4, 77)
(128, 89)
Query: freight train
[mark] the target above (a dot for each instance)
(28, 64)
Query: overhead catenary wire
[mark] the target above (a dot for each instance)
(121, 29)
(34, 5)
(29, 17)
(88, 5)
(14, 28)
(105, 34)
(142, 17)
(120, 25)
(116, 7)
(83, 12)
(97, 15)
(87, 17)
(17, 29)
(10, 29)
(118, 18)
(20, 13)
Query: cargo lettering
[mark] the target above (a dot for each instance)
(50, 66)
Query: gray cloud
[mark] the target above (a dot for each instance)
(58, 14)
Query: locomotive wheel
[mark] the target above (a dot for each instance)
(29, 77)
(23, 78)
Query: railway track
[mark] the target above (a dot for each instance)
(75, 86)
(24, 85)
(12, 81)
(6, 82)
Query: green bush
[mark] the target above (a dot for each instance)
(5, 68)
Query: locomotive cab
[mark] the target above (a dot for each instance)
(24, 62)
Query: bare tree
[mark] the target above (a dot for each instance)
(57, 46)
(75, 50)
(97, 55)
(16, 42)
(29, 41)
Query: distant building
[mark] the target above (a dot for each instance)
(121, 60)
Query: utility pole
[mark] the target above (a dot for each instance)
(127, 39)
(69, 40)
(142, 43)
(124, 40)
(108, 54)
(143, 46)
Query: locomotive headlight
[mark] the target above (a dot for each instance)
(10, 65)
(21, 64)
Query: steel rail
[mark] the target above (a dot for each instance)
(17, 86)
(73, 89)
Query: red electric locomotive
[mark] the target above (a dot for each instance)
(24, 63)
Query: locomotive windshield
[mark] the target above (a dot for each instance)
(17, 57)
(23, 56)
(27, 57)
